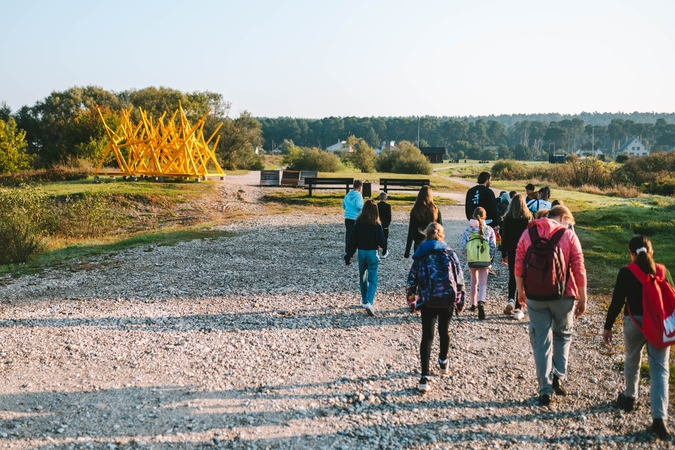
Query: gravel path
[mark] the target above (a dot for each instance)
(255, 341)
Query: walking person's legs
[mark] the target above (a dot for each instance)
(482, 284)
(349, 224)
(473, 292)
(363, 276)
(634, 341)
(562, 315)
(372, 265)
(444, 316)
(659, 372)
(542, 348)
(428, 321)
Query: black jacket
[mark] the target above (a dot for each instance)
(627, 290)
(414, 234)
(384, 209)
(481, 195)
(510, 231)
(366, 237)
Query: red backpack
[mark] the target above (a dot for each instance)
(658, 307)
(544, 276)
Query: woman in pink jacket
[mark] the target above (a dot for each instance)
(550, 276)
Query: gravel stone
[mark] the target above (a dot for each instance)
(257, 340)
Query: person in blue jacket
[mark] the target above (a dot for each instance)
(352, 204)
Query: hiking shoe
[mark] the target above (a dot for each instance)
(518, 314)
(369, 309)
(660, 429)
(509, 307)
(481, 311)
(385, 254)
(544, 399)
(425, 385)
(557, 386)
(444, 366)
(626, 403)
(472, 308)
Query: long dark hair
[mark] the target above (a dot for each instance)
(643, 258)
(425, 210)
(369, 214)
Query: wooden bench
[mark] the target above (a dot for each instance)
(401, 184)
(328, 183)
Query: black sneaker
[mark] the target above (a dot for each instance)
(481, 311)
(444, 366)
(626, 403)
(425, 385)
(660, 429)
(557, 386)
(544, 399)
(473, 308)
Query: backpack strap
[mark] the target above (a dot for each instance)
(557, 236)
(534, 234)
(639, 274)
(661, 271)
(643, 278)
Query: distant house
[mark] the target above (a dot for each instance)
(590, 149)
(340, 146)
(385, 145)
(634, 147)
(433, 154)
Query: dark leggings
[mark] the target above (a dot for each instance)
(512, 278)
(349, 226)
(428, 320)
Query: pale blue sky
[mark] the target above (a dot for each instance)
(365, 58)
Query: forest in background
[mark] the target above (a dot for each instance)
(65, 127)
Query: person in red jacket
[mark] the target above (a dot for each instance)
(551, 321)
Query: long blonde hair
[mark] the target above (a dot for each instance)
(369, 214)
(518, 209)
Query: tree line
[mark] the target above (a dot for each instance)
(480, 138)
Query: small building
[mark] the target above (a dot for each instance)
(433, 154)
(590, 149)
(634, 147)
(385, 145)
(340, 146)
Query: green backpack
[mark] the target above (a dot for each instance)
(478, 251)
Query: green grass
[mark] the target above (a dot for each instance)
(119, 186)
(334, 200)
(86, 249)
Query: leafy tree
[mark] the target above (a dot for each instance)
(13, 156)
(505, 152)
(522, 152)
(314, 159)
(405, 158)
(5, 111)
(558, 136)
(239, 137)
(363, 156)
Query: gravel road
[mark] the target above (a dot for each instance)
(255, 340)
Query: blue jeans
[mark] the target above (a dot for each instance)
(368, 262)
(659, 371)
(550, 336)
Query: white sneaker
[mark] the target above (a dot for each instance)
(369, 309)
(509, 307)
(518, 314)
(384, 256)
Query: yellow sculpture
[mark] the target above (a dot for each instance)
(161, 149)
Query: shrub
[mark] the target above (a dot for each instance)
(653, 174)
(20, 225)
(42, 175)
(312, 159)
(79, 216)
(622, 158)
(509, 170)
(405, 158)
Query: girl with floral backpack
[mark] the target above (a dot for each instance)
(435, 288)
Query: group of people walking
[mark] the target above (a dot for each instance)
(547, 277)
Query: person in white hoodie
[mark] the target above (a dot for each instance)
(352, 204)
(478, 246)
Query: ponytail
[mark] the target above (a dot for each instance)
(641, 247)
(479, 214)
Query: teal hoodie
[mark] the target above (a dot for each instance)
(352, 204)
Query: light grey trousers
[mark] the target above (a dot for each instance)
(659, 371)
(550, 336)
